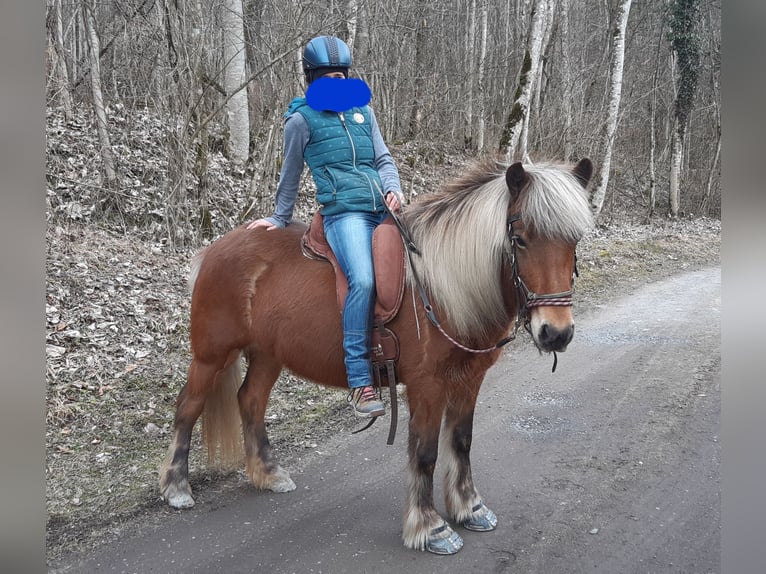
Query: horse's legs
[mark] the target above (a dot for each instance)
(264, 472)
(424, 529)
(174, 474)
(463, 502)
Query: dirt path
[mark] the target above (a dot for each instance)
(611, 464)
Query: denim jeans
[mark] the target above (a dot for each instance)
(350, 236)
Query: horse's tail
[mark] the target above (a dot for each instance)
(221, 429)
(196, 263)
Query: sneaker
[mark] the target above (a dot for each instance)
(365, 402)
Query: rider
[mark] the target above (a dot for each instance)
(353, 171)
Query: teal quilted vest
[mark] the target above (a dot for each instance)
(341, 158)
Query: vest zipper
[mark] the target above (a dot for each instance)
(353, 156)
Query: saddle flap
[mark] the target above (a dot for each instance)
(388, 257)
(388, 262)
(313, 243)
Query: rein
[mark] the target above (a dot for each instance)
(527, 299)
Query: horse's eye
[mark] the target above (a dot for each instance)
(520, 241)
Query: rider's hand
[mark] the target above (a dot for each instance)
(392, 201)
(262, 223)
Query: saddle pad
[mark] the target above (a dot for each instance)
(388, 261)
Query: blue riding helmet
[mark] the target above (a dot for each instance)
(324, 54)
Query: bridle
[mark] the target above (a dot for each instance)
(527, 299)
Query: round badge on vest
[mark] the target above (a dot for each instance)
(359, 118)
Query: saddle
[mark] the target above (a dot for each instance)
(388, 262)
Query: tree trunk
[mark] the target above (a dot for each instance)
(107, 157)
(676, 159)
(566, 81)
(653, 132)
(615, 91)
(684, 16)
(482, 91)
(416, 112)
(509, 142)
(237, 113)
(350, 23)
(470, 68)
(706, 200)
(538, 93)
(60, 73)
(652, 154)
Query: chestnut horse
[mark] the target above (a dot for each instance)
(496, 249)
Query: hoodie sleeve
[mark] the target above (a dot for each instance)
(296, 137)
(384, 163)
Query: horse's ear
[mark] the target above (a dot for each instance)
(516, 178)
(583, 171)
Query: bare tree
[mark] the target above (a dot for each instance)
(715, 92)
(469, 50)
(102, 124)
(481, 80)
(615, 93)
(684, 15)
(421, 48)
(519, 114)
(449, 76)
(566, 80)
(237, 112)
(349, 25)
(652, 106)
(59, 65)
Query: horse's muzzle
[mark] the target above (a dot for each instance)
(550, 338)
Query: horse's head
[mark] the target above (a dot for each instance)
(548, 214)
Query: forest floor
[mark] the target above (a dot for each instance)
(117, 350)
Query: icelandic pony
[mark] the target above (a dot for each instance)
(496, 250)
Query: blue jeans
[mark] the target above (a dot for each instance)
(350, 236)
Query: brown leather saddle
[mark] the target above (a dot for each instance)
(388, 262)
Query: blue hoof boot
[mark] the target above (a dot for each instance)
(444, 540)
(482, 520)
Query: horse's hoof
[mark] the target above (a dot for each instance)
(444, 540)
(282, 481)
(180, 500)
(482, 520)
(283, 485)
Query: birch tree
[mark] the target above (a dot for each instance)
(566, 80)
(481, 83)
(469, 49)
(514, 124)
(237, 113)
(350, 24)
(615, 92)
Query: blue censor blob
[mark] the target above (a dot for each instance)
(337, 94)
